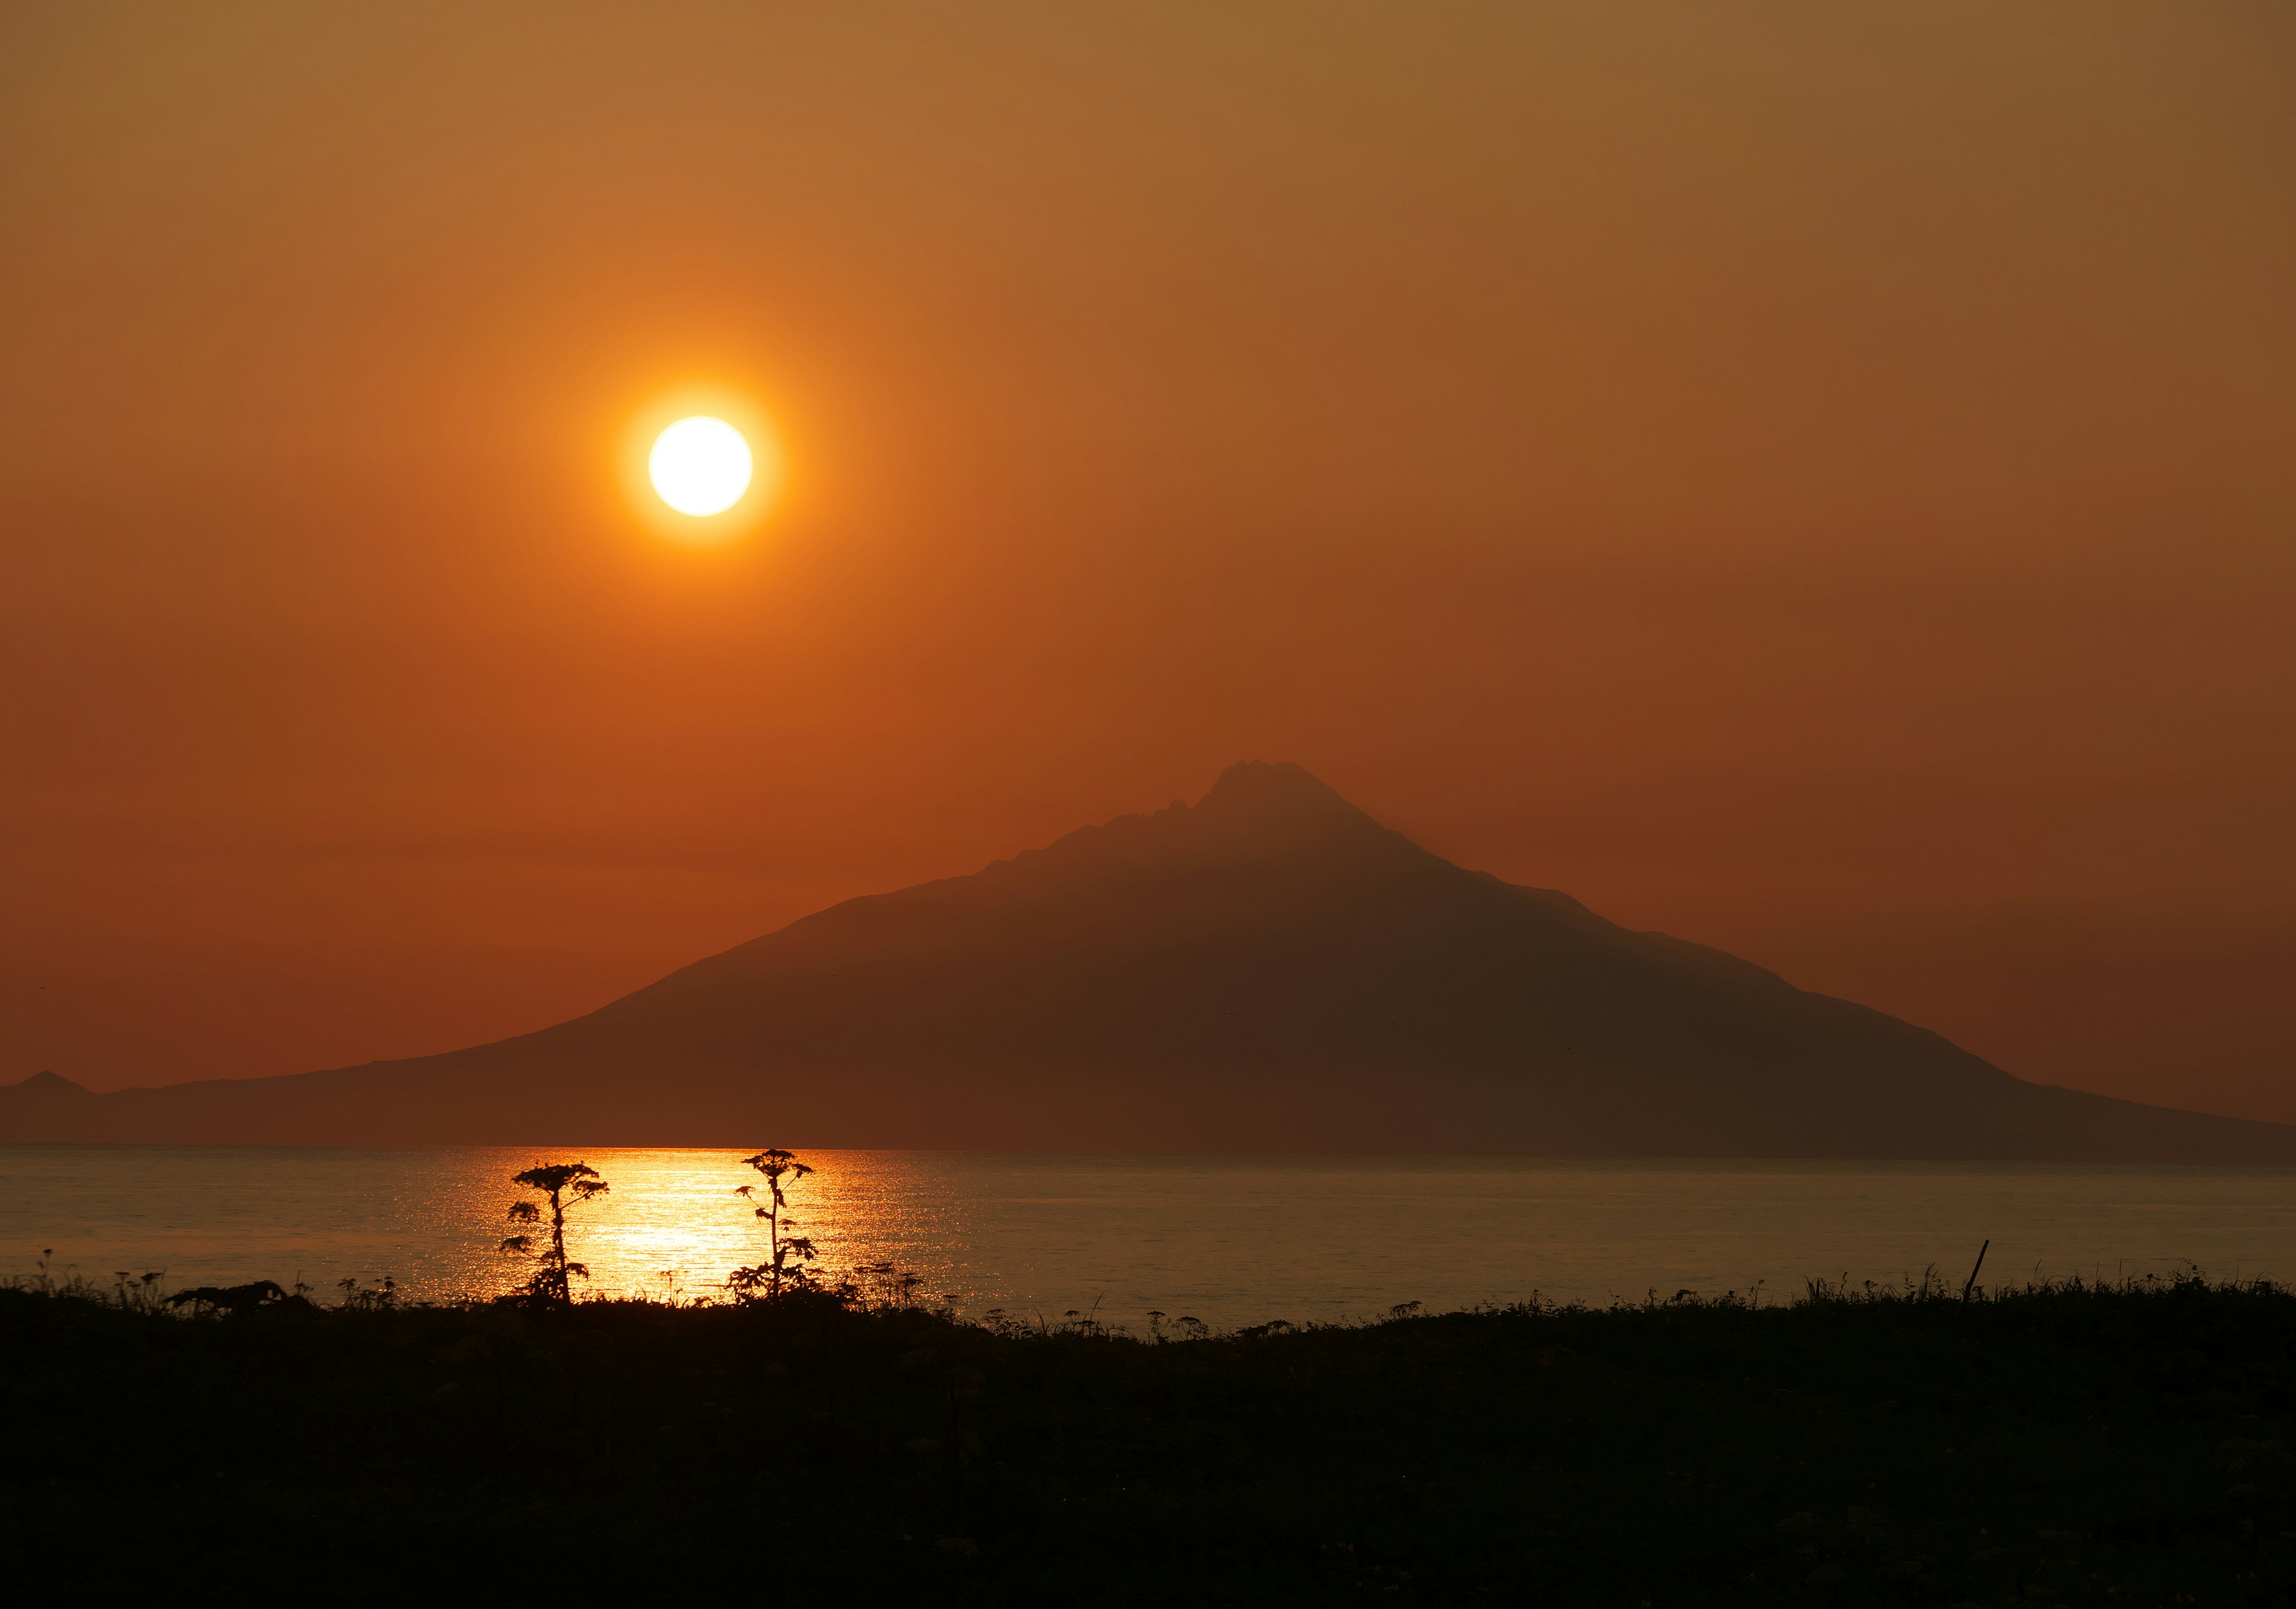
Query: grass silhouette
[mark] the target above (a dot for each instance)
(2065, 1442)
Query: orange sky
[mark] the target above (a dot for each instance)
(1812, 479)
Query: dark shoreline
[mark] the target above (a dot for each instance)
(2112, 1446)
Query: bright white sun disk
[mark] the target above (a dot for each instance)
(701, 467)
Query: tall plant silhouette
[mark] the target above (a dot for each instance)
(566, 1185)
(785, 1268)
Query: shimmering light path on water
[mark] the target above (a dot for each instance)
(1230, 1240)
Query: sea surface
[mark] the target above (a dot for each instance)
(1231, 1241)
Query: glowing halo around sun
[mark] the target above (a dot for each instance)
(700, 466)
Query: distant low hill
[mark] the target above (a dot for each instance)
(1268, 970)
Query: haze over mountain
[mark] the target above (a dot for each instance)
(1268, 970)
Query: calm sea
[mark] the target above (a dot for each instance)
(1229, 1240)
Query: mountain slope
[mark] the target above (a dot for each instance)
(1268, 970)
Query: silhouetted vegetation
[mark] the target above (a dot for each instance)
(788, 1255)
(563, 1184)
(1859, 1446)
(371, 1298)
(129, 1291)
(234, 1300)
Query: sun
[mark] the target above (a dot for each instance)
(701, 467)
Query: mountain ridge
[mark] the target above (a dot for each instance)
(1268, 969)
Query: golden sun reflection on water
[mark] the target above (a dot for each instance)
(674, 1227)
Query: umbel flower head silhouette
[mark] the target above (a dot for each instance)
(784, 1267)
(564, 1185)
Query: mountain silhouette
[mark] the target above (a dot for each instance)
(1268, 970)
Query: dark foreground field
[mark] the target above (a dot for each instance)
(2070, 1447)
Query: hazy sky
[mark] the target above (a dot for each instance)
(1816, 480)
